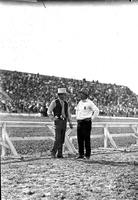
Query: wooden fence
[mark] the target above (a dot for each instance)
(6, 141)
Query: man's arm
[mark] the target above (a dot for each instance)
(50, 110)
(95, 111)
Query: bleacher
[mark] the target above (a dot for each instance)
(32, 93)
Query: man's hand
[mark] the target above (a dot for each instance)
(51, 117)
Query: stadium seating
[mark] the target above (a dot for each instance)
(32, 93)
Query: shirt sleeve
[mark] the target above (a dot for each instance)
(51, 107)
(76, 110)
(95, 111)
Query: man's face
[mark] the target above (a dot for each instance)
(62, 96)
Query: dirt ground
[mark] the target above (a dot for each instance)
(106, 176)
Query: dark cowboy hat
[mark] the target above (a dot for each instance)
(84, 91)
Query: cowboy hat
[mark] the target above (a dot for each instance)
(62, 91)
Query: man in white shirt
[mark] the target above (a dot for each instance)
(86, 111)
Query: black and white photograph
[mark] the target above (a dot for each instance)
(69, 99)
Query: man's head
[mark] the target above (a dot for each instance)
(62, 93)
(84, 93)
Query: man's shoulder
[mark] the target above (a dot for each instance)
(53, 101)
(89, 100)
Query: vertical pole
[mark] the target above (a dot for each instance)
(7, 140)
(3, 141)
(13, 150)
(68, 143)
(135, 129)
(136, 135)
(111, 139)
(105, 136)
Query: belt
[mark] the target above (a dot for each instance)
(84, 120)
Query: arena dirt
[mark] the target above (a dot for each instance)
(106, 176)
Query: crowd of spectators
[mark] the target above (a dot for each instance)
(32, 93)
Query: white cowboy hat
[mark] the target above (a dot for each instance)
(62, 90)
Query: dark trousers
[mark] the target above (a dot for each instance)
(83, 136)
(60, 129)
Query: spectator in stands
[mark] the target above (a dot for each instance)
(5, 100)
(86, 111)
(59, 112)
(43, 109)
(25, 88)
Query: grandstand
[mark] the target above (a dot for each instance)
(32, 93)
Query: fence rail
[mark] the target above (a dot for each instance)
(6, 141)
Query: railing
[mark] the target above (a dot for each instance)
(6, 141)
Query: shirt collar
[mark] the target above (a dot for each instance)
(60, 100)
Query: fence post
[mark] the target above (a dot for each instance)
(68, 143)
(3, 143)
(108, 136)
(135, 129)
(136, 135)
(6, 139)
(105, 136)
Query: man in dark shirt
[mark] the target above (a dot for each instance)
(58, 111)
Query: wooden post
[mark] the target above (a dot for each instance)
(111, 139)
(136, 135)
(7, 140)
(105, 136)
(3, 153)
(68, 143)
(135, 129)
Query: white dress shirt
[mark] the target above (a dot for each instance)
(86, 109)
